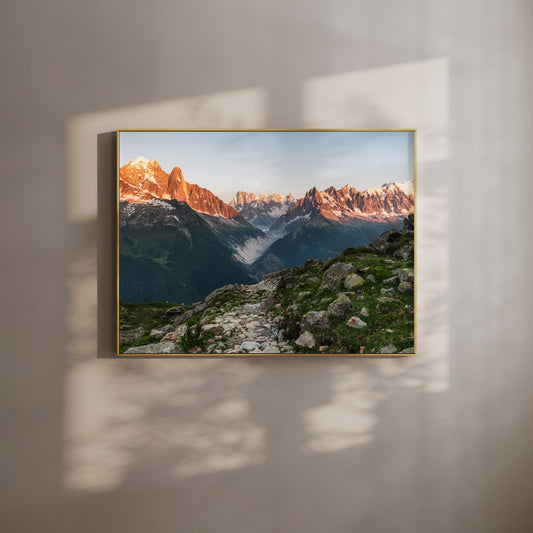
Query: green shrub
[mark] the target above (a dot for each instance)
(194, 335)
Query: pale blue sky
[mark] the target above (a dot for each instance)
(282, 162)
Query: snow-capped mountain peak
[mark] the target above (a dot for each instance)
(262, 210)
(142, 179)
(389, 202)
(140, 161)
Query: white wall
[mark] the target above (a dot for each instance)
(440, 442)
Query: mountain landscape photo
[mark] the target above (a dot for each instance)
(210, 267)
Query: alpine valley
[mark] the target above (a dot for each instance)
(179, 241)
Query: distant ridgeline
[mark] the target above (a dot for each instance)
(179, 242)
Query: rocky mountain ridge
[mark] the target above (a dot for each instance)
(386, 204)
(142, 179)
(262, 210)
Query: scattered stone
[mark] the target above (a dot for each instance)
(353, 281)
(175, 335)
(410, 309)
(215, 329)
(249, 308)
(391, 281)
(389, 330)
(390, 291)
(405, 252)
(229, 326)
(157, 333)
(249, 345)
(314, 318)
(269, 302)
(313, 280)
(131, 336)
(158, 348)
(303, 294)
(385, 240)
(408, 350)
(406, 274)
(385, 299)
(341, 306)
(406, 286)
(364, 312)
(177, 310)
(271, 349)
(390, 348)
(336, 274)
(356, 323)
(183, 318)
(199, 308)
(261, 331)
(371, 278)
(195, 349)
(218, 292)
(306, 339)
(323, 348)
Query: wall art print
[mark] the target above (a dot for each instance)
(266, 242)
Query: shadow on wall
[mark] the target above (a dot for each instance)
(149, 423)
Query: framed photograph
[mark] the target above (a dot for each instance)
(266, 242)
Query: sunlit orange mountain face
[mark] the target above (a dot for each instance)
(143, 179)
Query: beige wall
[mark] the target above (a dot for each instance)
(440, 442)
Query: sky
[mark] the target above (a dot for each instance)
(276, 162)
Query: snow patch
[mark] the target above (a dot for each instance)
(159, 203)
(408, 187)
(149, 176)
(140, 161)
(186, 232)
(253, 248)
